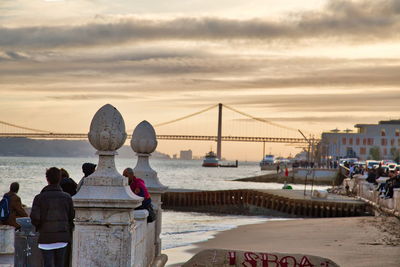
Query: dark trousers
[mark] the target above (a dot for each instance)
(54, 257)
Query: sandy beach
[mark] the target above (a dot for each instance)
(352, 241)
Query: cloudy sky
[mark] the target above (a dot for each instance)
(313, 65)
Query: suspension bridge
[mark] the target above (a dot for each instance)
(28, 132)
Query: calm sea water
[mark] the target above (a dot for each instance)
(179, 228)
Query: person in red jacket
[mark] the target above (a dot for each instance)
(138, 187)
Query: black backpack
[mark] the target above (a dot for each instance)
(4, 208)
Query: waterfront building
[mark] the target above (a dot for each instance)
(186, 154)
(369, 141)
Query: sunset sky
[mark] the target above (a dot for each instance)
(313, 65)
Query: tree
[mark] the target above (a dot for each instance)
(395, 154)
(374, 153)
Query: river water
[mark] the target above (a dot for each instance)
(179, 228)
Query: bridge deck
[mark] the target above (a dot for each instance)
(82, 136)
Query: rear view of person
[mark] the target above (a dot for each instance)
(14, 206)
(67, 184)
(87, 169)
(52, 214)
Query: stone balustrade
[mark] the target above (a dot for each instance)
(368, 192)
(144, 249)
(109, 231)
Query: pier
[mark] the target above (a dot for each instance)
(290, 202)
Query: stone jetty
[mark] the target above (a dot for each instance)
(292, 203)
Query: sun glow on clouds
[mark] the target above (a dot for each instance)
(308, 64)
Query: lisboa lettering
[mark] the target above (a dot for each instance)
(252, 259)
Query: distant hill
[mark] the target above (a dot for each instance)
(25, 147)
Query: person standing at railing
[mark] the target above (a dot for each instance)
(351, 171)
(372, 176)
(67, 184)
(87, 169)
(53, 214)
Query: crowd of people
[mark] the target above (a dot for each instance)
(53, 213)
(386, 187)
(333, 164)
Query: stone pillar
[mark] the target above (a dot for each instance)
(360, 182)
(6, 239)
(144, 142)
(104, 222)
(396, 199)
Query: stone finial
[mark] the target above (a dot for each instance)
(144, 138)
(107, 130)
(144, 142)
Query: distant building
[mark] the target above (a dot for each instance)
(385, 137)
(186, 154)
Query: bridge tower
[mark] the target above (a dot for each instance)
(219, 135)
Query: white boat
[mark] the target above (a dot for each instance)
(210, 160)
(268, 163)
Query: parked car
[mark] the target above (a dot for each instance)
(372, 163)
(392, 166)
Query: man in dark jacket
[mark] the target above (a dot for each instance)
(16, 209)
(87, 169)
(52, 214)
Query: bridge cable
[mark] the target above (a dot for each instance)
(24, 128)
(185, 117)
(261, 119)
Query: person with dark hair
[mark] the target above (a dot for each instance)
(87, 169)
(371, 178)
(15, 206)
(67, 184)
(53, 214)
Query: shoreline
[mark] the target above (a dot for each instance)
(348, 241)
(281, 179)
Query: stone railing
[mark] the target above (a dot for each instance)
(108, 230)
(144, 239)
(367, 192)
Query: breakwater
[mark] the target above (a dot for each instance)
(289, 202)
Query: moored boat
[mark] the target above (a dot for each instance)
(268, 163)
(210, 160)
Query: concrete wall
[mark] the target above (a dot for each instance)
(320, 175)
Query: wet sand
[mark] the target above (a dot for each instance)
(352, 241)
